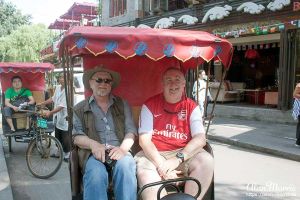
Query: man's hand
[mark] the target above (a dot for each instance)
(173, 174)
(116, 153)
(47, 113)
(16, 109)
(98, 151)
(168, 166)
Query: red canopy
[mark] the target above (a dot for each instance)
(153, 43)
(142, 55)
(32, 74)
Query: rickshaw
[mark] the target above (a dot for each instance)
(40, 142)
(140, 56)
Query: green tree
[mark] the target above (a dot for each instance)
(25, 43)
(11, 18)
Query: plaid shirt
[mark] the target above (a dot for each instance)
(296, 109)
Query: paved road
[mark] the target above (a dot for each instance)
(240, 173)
(26, 187)
(235, 169)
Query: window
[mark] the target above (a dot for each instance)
(155, 6)
(117, 7)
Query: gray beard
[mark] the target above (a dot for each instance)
(102, 93)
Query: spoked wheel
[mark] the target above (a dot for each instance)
(44, 156)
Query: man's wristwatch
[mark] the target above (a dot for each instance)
(180, 156)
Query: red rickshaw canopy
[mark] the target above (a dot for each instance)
(153, 43)
(142, 55)
(32, 74)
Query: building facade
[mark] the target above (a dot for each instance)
(264, 33)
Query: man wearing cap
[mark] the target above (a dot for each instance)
(103, 123)
(172, 137)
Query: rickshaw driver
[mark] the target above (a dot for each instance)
(172, 138)
(60, 115)
(10, 94)
(102, 122)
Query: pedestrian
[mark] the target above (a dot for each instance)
(60, 115)
(199, 91)
(172, 138)
(104, 131)
(296, 112)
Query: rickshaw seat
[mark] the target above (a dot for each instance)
(76, 175)
(21, 119)
(39, 96)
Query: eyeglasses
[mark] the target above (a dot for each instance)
(100, 80)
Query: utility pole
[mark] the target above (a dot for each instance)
(99, 12)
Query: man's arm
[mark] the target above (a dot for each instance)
(97, 149)
(55, 110)
(8, 104)
(127, 142)
(145, 137)
(196, 143)
(84, 142)
(48, 101)
(150, 149)
(31, 100)
(198, 140)
(117, 153)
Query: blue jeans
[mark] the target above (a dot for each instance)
(95, 179)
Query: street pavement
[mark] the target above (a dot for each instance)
(243, 174)
(271, 138)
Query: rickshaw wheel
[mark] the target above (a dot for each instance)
(38, 156)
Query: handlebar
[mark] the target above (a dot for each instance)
(38, 110)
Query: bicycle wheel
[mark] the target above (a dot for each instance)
(39, 157)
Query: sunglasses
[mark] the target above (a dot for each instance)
(100, 80)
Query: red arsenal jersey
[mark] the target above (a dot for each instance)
(172, 125)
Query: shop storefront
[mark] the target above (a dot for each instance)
(265, 36)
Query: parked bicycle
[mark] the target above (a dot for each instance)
(44, 154)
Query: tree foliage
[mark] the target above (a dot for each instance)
(11, 18)
(25, 43)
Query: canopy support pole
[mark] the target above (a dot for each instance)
(215, 100)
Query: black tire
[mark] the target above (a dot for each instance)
(39, 160)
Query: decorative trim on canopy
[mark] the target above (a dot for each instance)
(127, 43)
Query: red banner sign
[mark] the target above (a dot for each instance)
(296, 6)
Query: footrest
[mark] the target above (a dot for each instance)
(22, 138)
(17, 133)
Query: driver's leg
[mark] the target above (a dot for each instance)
(200, 167)
(7, 112)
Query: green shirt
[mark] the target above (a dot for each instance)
(11, 93)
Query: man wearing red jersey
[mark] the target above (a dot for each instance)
(172, 138)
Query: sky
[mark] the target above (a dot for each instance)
(45, 11)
